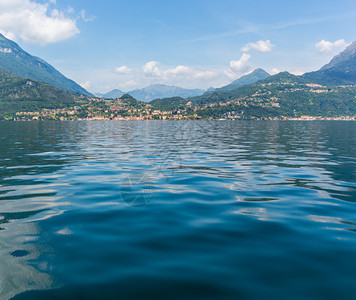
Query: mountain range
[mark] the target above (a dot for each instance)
(155, 91)
(28, 83)
(15, 60)
(161, 91)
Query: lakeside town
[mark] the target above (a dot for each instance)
(99, 110)
(278, 100)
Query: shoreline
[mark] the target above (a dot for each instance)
(310, 118)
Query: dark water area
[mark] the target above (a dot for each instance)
(178, 210)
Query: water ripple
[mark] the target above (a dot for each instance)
(191, 209)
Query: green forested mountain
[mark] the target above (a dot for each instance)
(283, 94)
(168, 104)
(16, 61)
(21, 94)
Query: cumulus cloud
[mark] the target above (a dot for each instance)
(238, 67)
(183, 75)
(275, 71)
(241, 65)
(262, 46)
(187, 74)
(205, 75)
(151, 68)
(325, 46)
(35, 22)
(179, 70)
(123, 70)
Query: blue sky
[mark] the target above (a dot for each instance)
(111, 44)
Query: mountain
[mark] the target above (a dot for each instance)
(256, 75)
(129, 99)
(341, 70)
(156, 91)
(16, 61)
(114, 94)
(21, 94)
(283, 94)
(285, 78)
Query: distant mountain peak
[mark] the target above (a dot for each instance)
(254, 76)
(340, 70)
(114, 94)
(259, 70)
(156, 91)
(347, 54)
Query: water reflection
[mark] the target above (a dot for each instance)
(30, 156)
(17, 248)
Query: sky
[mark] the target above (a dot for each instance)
(129, 44)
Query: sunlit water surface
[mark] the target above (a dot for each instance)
(177, 210)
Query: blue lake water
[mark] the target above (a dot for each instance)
(178, 210)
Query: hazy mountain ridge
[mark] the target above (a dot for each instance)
(161, 91)
(17, 61)
(155, 91)
(114, 94)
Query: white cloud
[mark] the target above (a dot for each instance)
(241, 65)
(35, 22)
(151, 68)
(262, 46)
(189, 76)
(238, 67)
(206, 75)
(123, 70)
(325, 46)
(179, 70)
(86, 84)
(127, 85)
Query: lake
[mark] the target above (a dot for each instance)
(178, 210)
